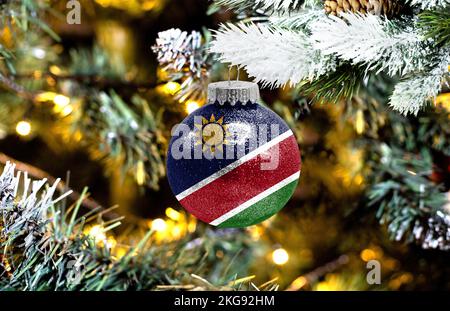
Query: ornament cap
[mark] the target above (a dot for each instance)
(233, 93)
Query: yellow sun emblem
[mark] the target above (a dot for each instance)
(212, 134)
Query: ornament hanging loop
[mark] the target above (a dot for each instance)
(230, 67)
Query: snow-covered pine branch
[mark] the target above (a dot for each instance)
(411, 94)
(302, 19)
(373, 41)
(429, 4)
(273, 56)
(20, 210)
(264, 5)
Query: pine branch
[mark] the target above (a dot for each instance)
(429, 4)
(184, 57)
(436, 25)
(412, 93)
(11, 85)
(375, 42)
(301, 20)
(261, 5)
(124, 135)
(19, 17)
(43, 246)
(37, 173)
(409, 203)
(274, 56)
(341, 84)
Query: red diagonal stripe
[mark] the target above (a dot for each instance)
(243, 183)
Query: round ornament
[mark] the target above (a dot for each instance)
(233, 163)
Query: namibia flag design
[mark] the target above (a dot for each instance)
(233, 166)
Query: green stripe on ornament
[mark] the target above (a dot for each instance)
(261, 210)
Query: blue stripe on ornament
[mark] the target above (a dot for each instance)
(199, 169)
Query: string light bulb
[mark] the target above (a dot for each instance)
(360, 122)
(280, 256)
(159, 225)
(66, 111)
(173, 214)
(171, 88)
(140, 173)
(61, 100)
(23, 128)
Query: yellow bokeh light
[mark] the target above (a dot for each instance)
(46, 96)
(97, 233)
(360, 123)
(256, 232)
(23, 128)
(159, 225)
(443, 100)
(66, 111)
(37, 74)
(368, 254)
(61, 100)
(176, 232)
(324, 287)
(141, 174)
(55, 70)
(171, 88)
(192, 225)
(280, 256)
(120, 251)
(191, 106)
(298, 283)
(173, 214)
(110, 242)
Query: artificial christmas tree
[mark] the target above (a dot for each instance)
(89, 103)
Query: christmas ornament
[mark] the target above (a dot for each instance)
(378, 7)
(233, 162)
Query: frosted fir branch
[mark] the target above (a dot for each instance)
(263, 5)
(373, 41)
(429, 4)
(36, 193)
(271, 55)
(411, 94)
(24, 213)
(44, 248)
(183, 56)
(299, 20)
(411, 205)
(177, 49)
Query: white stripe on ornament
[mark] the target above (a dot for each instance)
(234, 165)
(255, 199)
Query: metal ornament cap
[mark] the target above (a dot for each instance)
(233, 93)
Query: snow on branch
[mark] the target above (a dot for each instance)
(429, 4)
(274, 56)
(373, 41)
(299, 20)
(32, 204)
(411, 94)
(264, 5)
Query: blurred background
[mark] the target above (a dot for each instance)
(102, 120)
